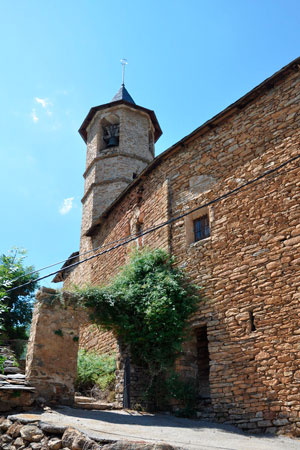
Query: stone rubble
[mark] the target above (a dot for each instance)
(21, 435)
(15, 390)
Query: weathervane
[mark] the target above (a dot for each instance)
(124, 63)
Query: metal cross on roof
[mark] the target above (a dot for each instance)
(124, 63)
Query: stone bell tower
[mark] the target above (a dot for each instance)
(120, 138)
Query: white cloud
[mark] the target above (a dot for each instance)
(34, 116)
(42, 104)
(42, 101)
(66, 205)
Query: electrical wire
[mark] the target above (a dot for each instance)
(73, 257)
(131, 238)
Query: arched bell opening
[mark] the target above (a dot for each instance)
(110, 126)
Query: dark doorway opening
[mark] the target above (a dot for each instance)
(203, 367)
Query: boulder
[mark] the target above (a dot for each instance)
(55, 444)
(31, 433)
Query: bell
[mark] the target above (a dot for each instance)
(113, 141)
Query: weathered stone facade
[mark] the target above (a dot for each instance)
(244, 347)
(51, 362)
(93, 338)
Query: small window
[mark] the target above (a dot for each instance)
(252, 322)
(201, 228)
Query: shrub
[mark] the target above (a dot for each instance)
(94, 369)
(16, 306)
(147, 305)
(2, 360)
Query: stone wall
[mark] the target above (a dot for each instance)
(51, 362)
(15, 391)
(92, 338)
(248, 267)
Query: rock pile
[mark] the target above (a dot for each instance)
(15, 391)
(10, 363)
(16, 435)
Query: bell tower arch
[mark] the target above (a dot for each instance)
(120, 138)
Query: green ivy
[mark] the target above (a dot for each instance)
(147, 305)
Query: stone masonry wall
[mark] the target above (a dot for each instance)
(93, 339)
(51, 361)
(249, 266)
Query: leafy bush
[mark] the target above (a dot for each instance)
(185, 391)
(16, 306)
(147, 305)
(94, 369)
(2, 360)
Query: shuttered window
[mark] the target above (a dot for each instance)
(201, 228)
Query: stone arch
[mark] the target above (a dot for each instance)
(51, 360)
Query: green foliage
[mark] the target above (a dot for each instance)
(94, 369)
(16, 394)
(58, 332)
(2, 359)
(147, 305)
(15, 306)
(185, 391)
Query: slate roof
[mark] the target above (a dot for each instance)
(123, 94)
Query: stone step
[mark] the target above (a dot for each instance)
(94, 405)
(11, 370)
(16, 387)
(82, 399)
(16, 376)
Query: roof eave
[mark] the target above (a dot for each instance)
(207, 126)
(83, 129)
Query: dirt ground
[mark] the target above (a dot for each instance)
(154, 428)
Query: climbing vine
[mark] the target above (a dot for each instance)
(148, 305)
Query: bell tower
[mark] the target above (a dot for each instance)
(120, 138)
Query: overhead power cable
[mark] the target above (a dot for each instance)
(74, 257)
(131, 238)
(70, 258)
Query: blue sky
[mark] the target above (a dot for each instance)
(187, 60)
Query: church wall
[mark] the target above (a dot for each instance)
(248, 267)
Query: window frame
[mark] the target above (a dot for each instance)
(201, 228)
(189, 225)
